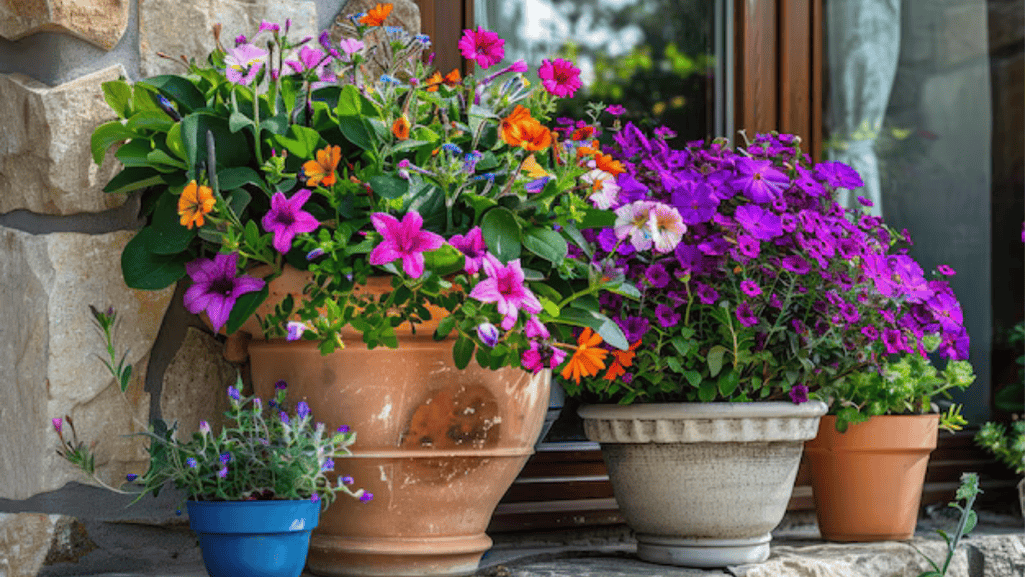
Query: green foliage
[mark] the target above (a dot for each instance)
(965, 499)
(907, 385)
(1008, 446)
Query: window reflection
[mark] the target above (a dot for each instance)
(656, 58)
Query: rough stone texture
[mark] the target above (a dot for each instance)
(99, 22)
(48, 356)
(888, 558)
(46, 164)
(996, 556)
(192, 36)
(195, 383)
(30, 540)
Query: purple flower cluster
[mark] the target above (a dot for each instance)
(800, 276)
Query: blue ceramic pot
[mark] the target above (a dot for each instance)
(254, 538)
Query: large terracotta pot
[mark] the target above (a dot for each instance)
(702, 484)
(867, 482)
(437, 446)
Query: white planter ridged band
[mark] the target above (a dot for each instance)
(703, 484)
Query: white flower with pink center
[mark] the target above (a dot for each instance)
(666, 227)
(605, 191)
(632, 220)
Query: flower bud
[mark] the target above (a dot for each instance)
(488, 334)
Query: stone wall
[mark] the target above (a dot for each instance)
(61, 237)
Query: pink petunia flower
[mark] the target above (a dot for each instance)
(535, 329)
(540, 356)
(482, 46)
(666, 226)
(505, 287)
(215, 287)
(559, 77)
(243, 63)
(632, 221)
(406, 240)
(350, 46)
(286, 219)
(473, 248)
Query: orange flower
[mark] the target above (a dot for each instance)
(588, 358)
(376, 15)
(533, 169)
(622, 360)
(606, 163)
(510, 127)
(322, 170)
(400, 128)
(451, 79)
(194, 202)
(433, 81)
(591, 150)
(583, 133)
(535, 136)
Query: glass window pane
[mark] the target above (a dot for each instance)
(655, 58)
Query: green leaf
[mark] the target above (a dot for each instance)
(178, 89)
(107, 135)
(126, 378)
(728, 382)
(245, 306)
(302, 142)
(501, 233)
(275, 124)
(480, 204)
(134, 178)
(168, 236)
(237, 121)
(231, 149)
(706, 391)
(444, 261)
(237, 177)
(970, 522)
(595, 218)
(612, 334)
(159, 158)
(715, 359)
(599, 323)
(674, 364)
(693, 377)
(134, 153)
(546, 243)
(357, 131)
(352, 103)
(389, 186)
(174, 141)
(151, 120)
(445, 327)
(144, 270)
(462, 352)
(118, 95)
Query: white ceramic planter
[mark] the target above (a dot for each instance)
(703, 484)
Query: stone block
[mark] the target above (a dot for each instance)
(192, 32)
(46, 162)
(28, 541)
(49, 356)
(855, 560)
(996, 555)
(99, 22)
(195, 383)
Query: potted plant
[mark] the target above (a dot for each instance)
(869, 459)
(254, 489)
(749, 298)
(375, 236)
(1008, 446)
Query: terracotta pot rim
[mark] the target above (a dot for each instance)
(715, 410)
(925, 416)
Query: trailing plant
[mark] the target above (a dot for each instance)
(964, 500)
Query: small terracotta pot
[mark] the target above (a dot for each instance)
(867, 482)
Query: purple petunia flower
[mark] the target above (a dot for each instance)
(329, 465)
(223, 472)
(838, 175)
(870, 332)
(746, 315)
(343, 429)
(750, 288)
(280, 385)
(758, 180)
(488, 334)
(215, 287)
(945, 270)
(706, 294)
(295, 330)
(657, 275)
(799, 394)
(616, 110)
(225, 458)
(505, 287)
(473, 248)
(633, 327)
(286, 219)
(366, 497)
(758, 222)
(696, 202)
(667, 317)
(540, 356)
(795, 264)
(748, 246)
(403, 240)
(191, 462)
(894, 341)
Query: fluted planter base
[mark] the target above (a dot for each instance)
(702, 485)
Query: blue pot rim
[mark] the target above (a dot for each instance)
(253, 517)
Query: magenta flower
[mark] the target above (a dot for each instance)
(215, 287)
(799, 394)
(666, 316)
(366, 497)
(473, 248)
(541, 356)
(750, 287)
(758, 180)
(243, 63)
(616, 110)
(535, 329)
(945, 270)
(504, 286)
(482, 46)
(287, 219)
(57, 424)
(406, 240)
(309, 59)
(759, 222)
(295, 330)
(350, 46)
(559, 77)
(746, 316)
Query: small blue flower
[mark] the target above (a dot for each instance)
(470, 162)
(343, 429)
(490, 177)
(234, 393)
(449, 147)
(191, 462)
(395, 30)
(423, 39)
(225, 458)
(389, 79)
(302, 409)
(488, 334)
(315, 498)
(315, 253)
(366, 497)
(347, 480)
(329, 465)
(283, 416)
(131, 477)
(537, 185)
